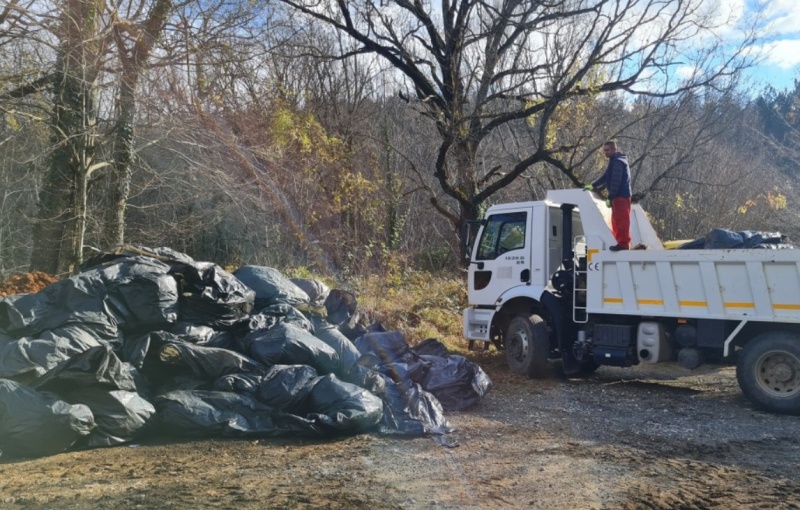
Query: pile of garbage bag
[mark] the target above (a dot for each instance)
(722, 239)
(148, 341)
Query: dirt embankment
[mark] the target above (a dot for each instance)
(648, 437)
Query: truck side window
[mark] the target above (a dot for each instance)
(502, 233)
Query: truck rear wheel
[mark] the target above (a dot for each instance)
(527, 346)
(768, 372)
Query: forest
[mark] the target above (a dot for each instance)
(353, 137)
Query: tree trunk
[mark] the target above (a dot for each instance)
(120, 182)
(61, 224)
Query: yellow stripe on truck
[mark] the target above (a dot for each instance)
(785, 306)
(733, 304)
(693, 303)
(657, 302)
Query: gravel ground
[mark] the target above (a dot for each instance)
(647, 437)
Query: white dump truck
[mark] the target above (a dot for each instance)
(543, 286)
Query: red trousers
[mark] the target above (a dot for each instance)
(621, 220)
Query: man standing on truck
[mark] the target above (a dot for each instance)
(617, 182)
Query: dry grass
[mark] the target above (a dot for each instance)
(419, 304)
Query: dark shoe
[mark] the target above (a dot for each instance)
(617, 247)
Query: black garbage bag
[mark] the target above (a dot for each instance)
(408, 410)
(720, 238)
(204, 335)
(95, 367)
(316, 291)
(281, 385)
(271, 287)
(211, 296)
(431, 347)
(215, 413)
(341, 306)
(28, 358)
(370, 380)
(207, 362)
(163, 254)
(34, 424)
(112, 390)
(271, 316)
(337, 407)
(455, 381)
(121, 416)
(140, 293)
(330, 334)
(278, 387)
(414, 369)
(77, 300)
(244, 383)
(387, 346)
(286, 344)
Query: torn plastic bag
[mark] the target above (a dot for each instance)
(331, 335)
(316, 291)
(408, 410)
(270, 286)
(286, 344)
(455, 381)
(337, 407)
(211, 296)
(34, 424)
(207, 362)
(28, 358)
(341, 306)
(215, 413)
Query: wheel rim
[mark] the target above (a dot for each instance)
(778, 373)
(519, 346)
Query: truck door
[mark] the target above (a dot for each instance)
(501, 257)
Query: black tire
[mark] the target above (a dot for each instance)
(527, 346)
(768, 371)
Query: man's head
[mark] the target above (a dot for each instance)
(610, 148)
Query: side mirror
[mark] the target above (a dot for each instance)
(471, 228)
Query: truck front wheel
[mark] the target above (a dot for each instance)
(768, 371)
(527, 346)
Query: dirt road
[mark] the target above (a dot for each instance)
(620, 439)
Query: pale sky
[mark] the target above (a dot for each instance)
(781, 50)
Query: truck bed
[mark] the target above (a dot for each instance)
(752, 285)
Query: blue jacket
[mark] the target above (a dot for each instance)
(617, 178)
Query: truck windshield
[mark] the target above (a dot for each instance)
(502, 233)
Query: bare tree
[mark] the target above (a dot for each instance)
(475, 66)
